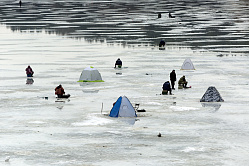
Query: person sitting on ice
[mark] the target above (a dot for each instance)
(170, 16)
(118, 63)
(166, 88)
(29, 71)
(182, 82)
(59, 91)
(162, 43)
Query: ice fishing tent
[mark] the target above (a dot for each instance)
(211, 95)
(90, 74)
(123, 108)
(187, 65)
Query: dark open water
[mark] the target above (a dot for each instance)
(219, 26)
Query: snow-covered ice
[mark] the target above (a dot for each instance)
(39, 131)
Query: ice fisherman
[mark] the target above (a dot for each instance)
(118, 63)
(29, 71)
(170, 15)
(182, 82)
(59, 91)
(20, 3)
(173, 79)
(166, 88)
(162, 43)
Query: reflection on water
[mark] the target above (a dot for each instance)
(210, 25)
(29, 81)
(214, 106)
(130, 121)
(90, 91)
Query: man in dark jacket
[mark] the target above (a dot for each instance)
(173, 79)
(118, 63)
(166, 88)
(162, 43)
(59, 91)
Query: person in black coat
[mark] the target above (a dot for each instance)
(162, 43)
(118, 63)
(173, 79)
(170, 16)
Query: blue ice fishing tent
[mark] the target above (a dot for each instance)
(123, 108)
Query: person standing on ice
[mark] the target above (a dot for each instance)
(173, 79)
(29, 71)
(20, 3)
(166, 88)
(118, 63)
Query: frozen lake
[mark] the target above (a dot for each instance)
(59, 39)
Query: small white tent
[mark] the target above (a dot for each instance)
(211, 95)
(187, 65)
(90, 74)
(123, 108)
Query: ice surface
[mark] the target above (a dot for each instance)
(36, 131)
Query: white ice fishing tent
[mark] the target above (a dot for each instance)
(123, 108)
(187, 65)
(90, 74)
(211, 95)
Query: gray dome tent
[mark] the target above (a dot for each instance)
(90, 74)
(187, 65)
(211, 95)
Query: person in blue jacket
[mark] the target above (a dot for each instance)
(166, 88)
